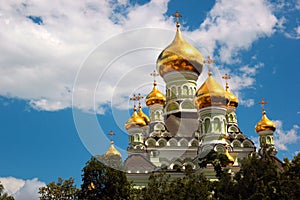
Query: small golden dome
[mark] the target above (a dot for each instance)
(265, 124)
(135, 120)
(112, 151)
(233, 100)
(143, 115)
(211, 93)
(155, 97)
(179, 56)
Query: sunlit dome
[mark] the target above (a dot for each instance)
(179, 56)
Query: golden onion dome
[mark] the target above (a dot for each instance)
(143, 115)
(179, 56)
(112, 151)
(265, 124)
(211, 93)
(135, 120)
(155, 97)
(233, 100)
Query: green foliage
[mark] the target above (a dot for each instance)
(218, 160)
(259, 178)
(161, 186)
(4, 195)
(63, 189)
(103, 182)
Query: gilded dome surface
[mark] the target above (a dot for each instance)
(233, 100)
(112, 151)
(155, 97)
(135, 121)
(179, 56)
(143, 115)
(211, 93)
(265, 124)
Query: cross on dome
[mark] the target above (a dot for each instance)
(154, 74)
(138, 98)
(111, 135)
(209, 61)
(226, 77)
(177, 15)
(263, 103)
(134, 99)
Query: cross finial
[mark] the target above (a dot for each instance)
(154, 74)
(226, 77)
(177, 15)
(209, 61)
(134, 99)
(111, 135)
(263, 103)
(138, 98)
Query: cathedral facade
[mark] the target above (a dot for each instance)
(187, 121)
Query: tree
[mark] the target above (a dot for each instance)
(162, 186)
(63, 189)
(259, 178)
(218, 160)
(4, 195)
(103, 182)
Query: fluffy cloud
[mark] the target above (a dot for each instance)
(22, 189)
(235, 25)
(43, 43)
(284, 137)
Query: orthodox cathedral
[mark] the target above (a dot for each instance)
(187, 121)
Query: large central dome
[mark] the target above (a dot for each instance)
(179, 56)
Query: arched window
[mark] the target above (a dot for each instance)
(217, 125)
(162, 143)
(173, 92)
(179, 91)
(183, 143)
(236, 144)
(172, 106)
(157, 115)
(185, 90)
(151, 143)
(194, 143)
(207, 125)
(173, 143)
(136, 138)
(131, 138)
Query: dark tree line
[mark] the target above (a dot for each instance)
(259, 178)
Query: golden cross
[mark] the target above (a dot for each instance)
(263, 103)
(226, 77)
(154, 74)
(134, 99)
(138, 98)
(209, 62)
(111, 134)
(177, 15)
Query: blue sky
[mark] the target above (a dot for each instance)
(59, 98)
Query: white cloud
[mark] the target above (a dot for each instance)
(12, 185)
(284, 137)
(39, 62)
(235, 25)
(22, 189)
